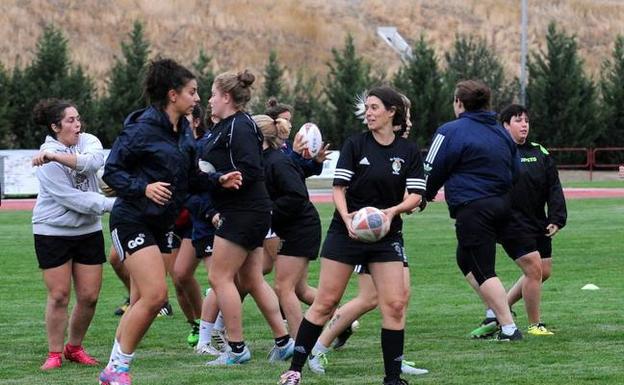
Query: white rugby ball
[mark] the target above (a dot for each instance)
(370, 224)
(206, 167)
(312, 136)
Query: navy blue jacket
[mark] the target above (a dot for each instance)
(147, 151)
(474, 157)
(308, 166)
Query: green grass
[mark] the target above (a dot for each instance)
(595, 184)
(587, 347)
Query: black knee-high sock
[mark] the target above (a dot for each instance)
(306, 338)
(392, 348)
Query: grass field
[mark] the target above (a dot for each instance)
(587, 349)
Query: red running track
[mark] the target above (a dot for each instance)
(325, 197)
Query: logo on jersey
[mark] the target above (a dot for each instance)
(136, 242)
(364, 161)
(528, 160)
(208, 249)
(397, 163)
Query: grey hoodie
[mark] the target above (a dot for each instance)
(69, 203)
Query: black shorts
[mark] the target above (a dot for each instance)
(131, 237)
(338, 246)
(363, 269)
(519, 247)
(53, 251)
(203, 247)
(180, 233)
(301, 241)
(245, 228)
(482, 221)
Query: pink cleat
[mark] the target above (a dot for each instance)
(110, 377)
(79, 355)
(54, 361)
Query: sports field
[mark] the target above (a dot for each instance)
(588, 347)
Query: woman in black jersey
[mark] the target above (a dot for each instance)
(294, 219)
(374, 169)
(150, 167)
(235, 147)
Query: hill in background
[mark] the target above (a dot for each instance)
(240, 33)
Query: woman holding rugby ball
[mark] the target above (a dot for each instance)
(375, 168)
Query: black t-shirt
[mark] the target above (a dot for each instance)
(235, 144)
(377, 175)
(285, 183)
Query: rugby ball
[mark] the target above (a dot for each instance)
(312, 136)
(206, 167)
(370, 224)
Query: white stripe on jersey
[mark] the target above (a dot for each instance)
(415, 183)
(435, 146)
(230, 144)
(343, 173)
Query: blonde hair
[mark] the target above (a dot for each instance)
(272, 128)
(238, 85)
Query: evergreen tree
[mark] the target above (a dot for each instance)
(125, 85)
(560, 97)
(50, 75)
(421, 81)
(471, 58)
(305, 101)
(349, 75)
(273, 74)
(612, 107)
(205, 76)
(5, 108)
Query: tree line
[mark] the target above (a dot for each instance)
(567, 107)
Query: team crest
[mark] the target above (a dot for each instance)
(397, 163)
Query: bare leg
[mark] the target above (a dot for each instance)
(147, 269)
(58, 283)
(270, 246)
(334, 277)
(87, 284)
(252, 282)
(187, 288)
(344, 316)
(119, 268)
(289, 271)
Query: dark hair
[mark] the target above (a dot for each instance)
(408, 104)
(164, 75)
(199, 113)
(391, 98)
(474, 94)
(238, 85)
(274, 108)
(510, 111)
(51, 111)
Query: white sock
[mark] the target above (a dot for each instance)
(319, 348)
(120, 361)
(205, 330)
(509, 329)
(489, 313)
(113, 350)
(219, 323)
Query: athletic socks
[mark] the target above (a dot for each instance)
(319, 348)
(237, 346)
(205, 332)
(306, 338)
(120, 361)
(282, 341)
(489, 313)
(219, 323)
(509, 329)
(392, 348)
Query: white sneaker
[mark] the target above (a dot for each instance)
(317, 363)
(282, 353)
(218, 339)
(231, 358)
(207, 349)
(407, 367)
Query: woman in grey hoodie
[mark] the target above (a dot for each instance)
(67, 228)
